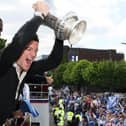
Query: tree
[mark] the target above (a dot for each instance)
(107, 74)
(77, 72)
(2, 43)
(89, 73)
(120, 76)
(58, 74)
(67, 77)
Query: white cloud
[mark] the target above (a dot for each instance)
(4, 7)
(120, 29)
(106, 22)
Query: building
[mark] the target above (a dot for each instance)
(75, 54)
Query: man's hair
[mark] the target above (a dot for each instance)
(35, 37)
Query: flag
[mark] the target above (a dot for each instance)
(111, 102)
(26, 106)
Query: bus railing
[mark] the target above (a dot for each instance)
(38, 91)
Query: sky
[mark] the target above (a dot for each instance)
(106, 22)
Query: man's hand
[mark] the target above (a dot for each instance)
(42, 7)
(49, 79)
(18, 114)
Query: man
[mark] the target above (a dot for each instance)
(17, 60)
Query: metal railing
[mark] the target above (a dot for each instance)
(38, 91)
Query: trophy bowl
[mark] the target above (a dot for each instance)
(73, 27)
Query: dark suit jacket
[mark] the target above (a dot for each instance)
(8, 76)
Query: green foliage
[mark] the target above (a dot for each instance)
(106, 71)
(89, 73)
(2, 43)
(120, 75)
(103, 75)
(77, 72)
(58, 74)
(67, 77)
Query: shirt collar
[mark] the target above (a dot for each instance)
(18, 71)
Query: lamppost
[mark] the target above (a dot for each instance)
(73, 54)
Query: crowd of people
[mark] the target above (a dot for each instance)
(88, 110)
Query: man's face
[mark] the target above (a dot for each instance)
(28, 56)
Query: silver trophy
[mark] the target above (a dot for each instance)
(73, 27)
(68, 28)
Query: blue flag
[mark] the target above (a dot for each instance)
(26, 106)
